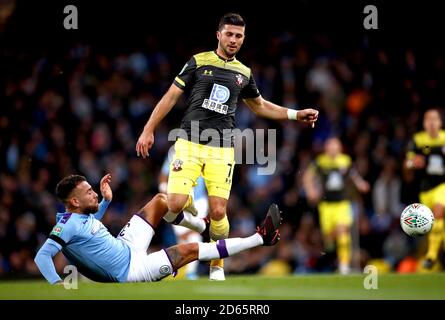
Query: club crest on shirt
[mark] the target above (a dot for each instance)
(239, 79)
(177, 165)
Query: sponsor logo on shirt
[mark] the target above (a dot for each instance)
(219, 95)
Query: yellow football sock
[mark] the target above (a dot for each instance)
(344, 248)
(217, 262)
(435, 238)
(219, 229)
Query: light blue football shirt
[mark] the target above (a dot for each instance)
(87, 244)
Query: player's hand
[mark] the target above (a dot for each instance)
(105, 188)
(308, 115)
(312, 196)
(363, 187)
(144, 144)
(419, 161)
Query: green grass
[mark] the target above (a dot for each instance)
(390, 286)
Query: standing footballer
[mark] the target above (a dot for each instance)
(214, 81)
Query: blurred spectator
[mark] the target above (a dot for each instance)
(386, 197)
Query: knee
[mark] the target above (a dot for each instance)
(218, 212)
(159, 201)
(156, 206)
(438, 211)
(175, 204)
(161, 198)
(342, 230)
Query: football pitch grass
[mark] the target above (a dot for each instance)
(299, 287)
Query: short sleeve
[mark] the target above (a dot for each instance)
(251, 90)
(185, 77)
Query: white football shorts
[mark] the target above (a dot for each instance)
(137, 234)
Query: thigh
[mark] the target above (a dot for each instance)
(343, 214)
(151, 267)
(439, 195)
(427, 198)
(136, 234)
(185, 168)
(327, 218)
(218, 172)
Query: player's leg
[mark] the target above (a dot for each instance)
(184, 171)
(219, 230)
(138, 234)
(344, 248)
(343, 217)
(164, 262)
(217, 174)
(327, 225)
(183, 236)
(327, 228)
(435, 200)
(154, 210)
(202, 205)
(139, 231)
(184, 218)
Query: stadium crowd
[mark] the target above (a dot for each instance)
(82, 110)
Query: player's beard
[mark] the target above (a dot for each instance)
(91, 209)
(228, 54)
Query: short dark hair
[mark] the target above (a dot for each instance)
(231, 18)
(66, 185)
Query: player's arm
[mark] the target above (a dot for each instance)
(146, 139)
(361, 184)
(413, 160)
(107, 196)
(309, 184)
(103, 205)
(267, 109)
(182, 81)
(44, 261)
